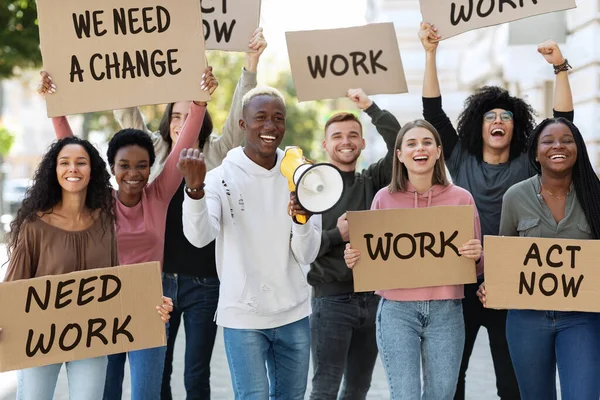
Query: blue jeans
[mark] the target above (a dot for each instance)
(86, 380)
(343, 344)
(196, 299)
(146, 369)
(541, 340)
(269, 362)
(411, 332)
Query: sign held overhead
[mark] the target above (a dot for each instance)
(83, 314)
(229, 24)
(104, 56)
(326, 63)
(411, 248)
(453, 17)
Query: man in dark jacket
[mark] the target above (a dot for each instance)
(342, 324)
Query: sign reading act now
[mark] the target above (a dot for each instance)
(80, 315)
(542, 274)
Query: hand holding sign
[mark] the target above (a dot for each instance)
(46, 85)
(551, 52)
(360, 98)
(481, 294)
(258, 44)
(193, 168)
(209, 83)
(429, 37)
(164, 310)
(342, 225)
(471, 249)
(351, 256)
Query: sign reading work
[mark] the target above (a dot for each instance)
(59, 318)
(542, 274)
(326, 63)
(229, 24)
(110, 54)
(453, 17)
(411, 247)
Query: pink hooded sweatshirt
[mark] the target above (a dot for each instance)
(438, 195)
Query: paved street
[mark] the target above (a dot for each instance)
(480, 382)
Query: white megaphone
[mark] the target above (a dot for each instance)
(318, 187)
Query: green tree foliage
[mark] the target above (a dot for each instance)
(6, 141)
(19, 37)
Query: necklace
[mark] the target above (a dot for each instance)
(553, 195)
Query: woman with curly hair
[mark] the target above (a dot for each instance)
(65, 224)
(485, 154)
(141, 212)
(561, 201)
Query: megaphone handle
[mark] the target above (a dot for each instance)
(301, 219)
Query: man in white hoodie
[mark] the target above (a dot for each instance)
(264, 297)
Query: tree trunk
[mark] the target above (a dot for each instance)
(86, 126)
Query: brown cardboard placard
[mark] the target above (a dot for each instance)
(406, 248)
(118, 303)
(229, 24)
(110, 54)
(326, 63)
(542, 274)
(453, 17)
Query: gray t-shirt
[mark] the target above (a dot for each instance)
(525, 213)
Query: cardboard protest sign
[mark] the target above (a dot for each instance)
(84, 314)
(542, 274)
(453, 17)
(229, 24)
(326, 63)
(108, 55)
(411, 247)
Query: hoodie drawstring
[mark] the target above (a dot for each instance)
(429, 196)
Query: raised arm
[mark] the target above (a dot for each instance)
(131, 118)
(216, 147)
(62, 129)
(167, 182)
(563, 97)
(432, 98)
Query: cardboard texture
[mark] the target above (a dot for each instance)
(326, 63)
(409, 232)
(542, 274)
(137, 53)
(80, 309)
(229, 24)
(453, 17)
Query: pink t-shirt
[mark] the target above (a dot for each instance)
(141, 228)
(438, 195)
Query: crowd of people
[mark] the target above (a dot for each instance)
(215, 211)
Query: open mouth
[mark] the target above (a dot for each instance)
(345, 151)
(421, 159)
(133, 183)
(555, 157)
(498, 132)
(269, 139)
(73, 179)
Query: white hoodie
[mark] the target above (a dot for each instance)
(259, 249)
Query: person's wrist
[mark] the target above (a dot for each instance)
(366, 105)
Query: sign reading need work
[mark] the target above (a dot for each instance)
(453, 17)
(411, 248)
(326, 63)
(110, 54)
(542, 274)
(79, 315)
(229, 24)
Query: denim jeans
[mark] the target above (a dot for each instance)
(146, 369)
(86, 380)
(411, 332)
(269, 362)
(343, 344)
(539, 341)
(476, 316)
(196, 299)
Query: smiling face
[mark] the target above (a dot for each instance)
(556, 149)
(73, 168)
(343, 144)
(264, 123)
(497, 130)
(419, 151)
(131, 169)
(179, 114)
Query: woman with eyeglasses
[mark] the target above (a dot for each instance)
(486, 155)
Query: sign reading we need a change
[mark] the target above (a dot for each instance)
(110, 54)
(453, 17)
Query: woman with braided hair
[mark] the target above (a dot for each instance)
(561, 201)
(486, 154)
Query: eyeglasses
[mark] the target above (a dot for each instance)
(505, 116)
